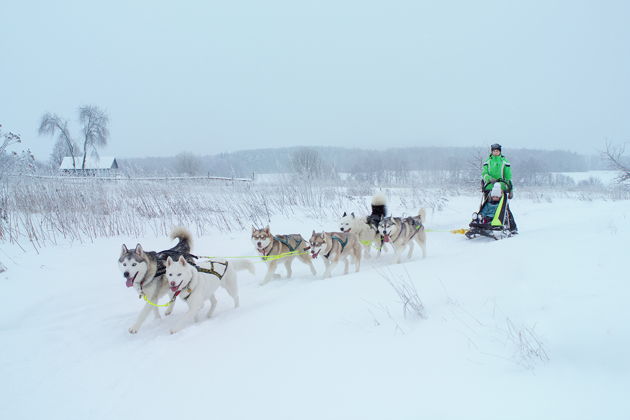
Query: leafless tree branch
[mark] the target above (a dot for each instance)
(50, 125)
(615, 157)
(95, 131)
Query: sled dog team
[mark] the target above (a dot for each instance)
(179, 274)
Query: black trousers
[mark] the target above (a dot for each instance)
(511, 220)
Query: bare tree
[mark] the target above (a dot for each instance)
(7, 161)
(60, 150)
(474, 167)
(95, 132)
(65, 145)
(614, 155)
(307, 162)
(187, 163)
(7, 140)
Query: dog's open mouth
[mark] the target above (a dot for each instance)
(174, 288)
(130, 280)
(314, 254)
(386, 238)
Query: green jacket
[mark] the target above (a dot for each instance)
(497, 167)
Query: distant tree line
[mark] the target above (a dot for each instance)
(530, 166)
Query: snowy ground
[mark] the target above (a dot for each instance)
(339, 348)
(606, 177)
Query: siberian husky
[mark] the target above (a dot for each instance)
(144, 271)
(336, 246)
(197, 283)
(272, 246)
(366, 228)
(402, 232)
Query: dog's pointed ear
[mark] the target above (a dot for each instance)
(182, 260)
(169, 261)
(322, 235)
(344, 214)
(267, 228)
(124, 250)
(138, 249)
(253, 229)
(313, 234)
(352, 214)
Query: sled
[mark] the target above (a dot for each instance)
(495, 227)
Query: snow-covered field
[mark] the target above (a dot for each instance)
(532, 327)
(607, 178)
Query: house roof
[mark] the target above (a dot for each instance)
(103, 162)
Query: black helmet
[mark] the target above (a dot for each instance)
(495, 146)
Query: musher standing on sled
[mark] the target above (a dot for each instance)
(497, 169)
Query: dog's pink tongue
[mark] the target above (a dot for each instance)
(129, 282)
(386, 238)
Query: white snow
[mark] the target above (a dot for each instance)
(340, 348)
(607, 178)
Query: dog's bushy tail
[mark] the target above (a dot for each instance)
(240, 265)
(185, 239)
(423, 215)
(379, 199)
(379, 208)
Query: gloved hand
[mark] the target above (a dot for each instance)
(510, 195)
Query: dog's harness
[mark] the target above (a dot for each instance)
(402, 228)
(343, 245)
(145, 278)
(210, 270)
(266, 254)
(286, 242)
(417, 225)
(188, 289)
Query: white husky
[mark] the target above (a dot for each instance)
(196, 284)
(366, 228)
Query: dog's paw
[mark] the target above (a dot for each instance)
(133, 330)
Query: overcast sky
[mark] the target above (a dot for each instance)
(231, 75)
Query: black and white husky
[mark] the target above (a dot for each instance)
(144, 271)
(403, 232)
(366, 227)
(195, 284)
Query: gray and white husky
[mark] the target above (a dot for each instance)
(195, 284)
(334, 247)
(144, 271)
(366, 227)
(403, 232)
(270, 246)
